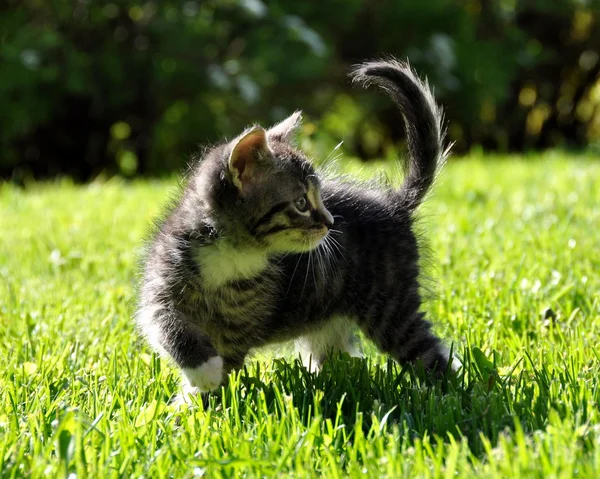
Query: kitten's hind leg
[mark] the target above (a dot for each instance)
(337, 335)
(410, 340)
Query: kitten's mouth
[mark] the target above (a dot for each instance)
(316, 234)
(301, 240)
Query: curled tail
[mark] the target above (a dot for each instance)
(423, 122)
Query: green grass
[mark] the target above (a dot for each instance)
(510, 240)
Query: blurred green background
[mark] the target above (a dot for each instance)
(126, 87)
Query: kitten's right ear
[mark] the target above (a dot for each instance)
(285, 130)
(246, 155)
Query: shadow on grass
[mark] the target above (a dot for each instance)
(475, 403)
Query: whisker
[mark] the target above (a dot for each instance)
(321, 264)
(339, 245)
(307, 270)
(335, 239)
(329, 256)
(317, 258)
(339, 248)
(282, 257)
(293, 274)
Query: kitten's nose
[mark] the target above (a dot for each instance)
(327, 219)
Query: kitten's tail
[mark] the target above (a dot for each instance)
(423, 122)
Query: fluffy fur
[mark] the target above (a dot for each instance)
(260, 249)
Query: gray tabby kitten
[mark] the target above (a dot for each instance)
(249, 254)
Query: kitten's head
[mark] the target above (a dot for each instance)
(275, 194)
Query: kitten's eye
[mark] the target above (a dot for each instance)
(301, 204)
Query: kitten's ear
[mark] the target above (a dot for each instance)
(285, 130)
(246, 155)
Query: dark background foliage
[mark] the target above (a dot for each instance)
(133, 87)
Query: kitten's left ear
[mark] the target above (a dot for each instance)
(246, 155)
(285, 130)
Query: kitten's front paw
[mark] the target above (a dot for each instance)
(206, 377)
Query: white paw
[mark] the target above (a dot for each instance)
(455, 363)
(311, 364)
(206, 377)
(185, 396)
(352, 350)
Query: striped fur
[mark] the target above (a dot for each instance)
(260, 249)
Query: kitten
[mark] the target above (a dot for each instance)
(260, 248)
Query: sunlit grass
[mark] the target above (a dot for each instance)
(514, 249)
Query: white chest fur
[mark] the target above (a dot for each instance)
(220, 263)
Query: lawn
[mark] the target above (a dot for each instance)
(514, 257)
